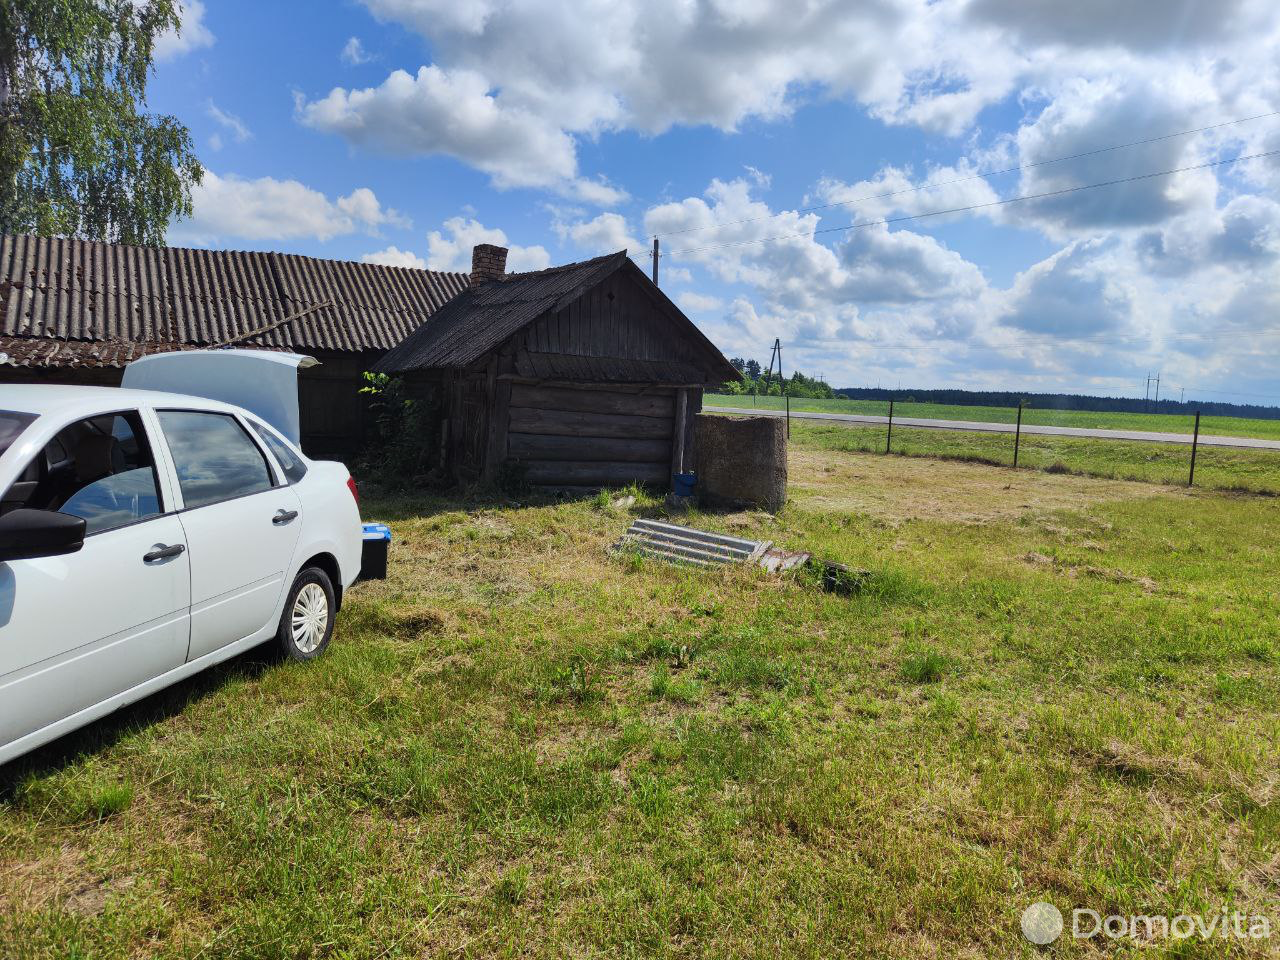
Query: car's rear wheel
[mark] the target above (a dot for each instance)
(307, 622)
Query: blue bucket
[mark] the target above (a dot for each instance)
(375, 531)
(682, 484)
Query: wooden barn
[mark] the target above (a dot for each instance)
(579, 376)
(77, 311)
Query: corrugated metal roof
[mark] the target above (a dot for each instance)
(42, 353)
(484, 317)
(75, 290)
(670, 541)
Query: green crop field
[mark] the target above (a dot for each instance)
(1168, 423)
(1044, 687)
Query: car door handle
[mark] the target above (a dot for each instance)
(163, 553)
(284, 516)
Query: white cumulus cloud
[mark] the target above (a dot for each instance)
(393, 256)
(517, 86)
(229, 122)
(192, 34)
(694, 302)
(606, 233)
(353, 53)
(450, 248)
(456, 113)
(519, 89)
(267, 209)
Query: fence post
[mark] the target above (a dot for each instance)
(1017, 436)
(888, 440)
(1195, 443)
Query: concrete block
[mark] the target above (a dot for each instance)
(741, 460)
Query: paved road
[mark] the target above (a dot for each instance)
(979, 427)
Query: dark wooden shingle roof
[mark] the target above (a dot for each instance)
(88, 292)
(484, 317)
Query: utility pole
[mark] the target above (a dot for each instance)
(655, 261)
(1146, 394)
(776, 354)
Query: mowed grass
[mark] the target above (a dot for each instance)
(1222, 468)
(1160, 422)
(1047, 687)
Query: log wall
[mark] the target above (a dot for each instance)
(592, 435)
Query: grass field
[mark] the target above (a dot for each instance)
(1224, 468)
(1049, 687)
(1168, 423)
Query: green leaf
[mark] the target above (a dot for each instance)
(79, 156)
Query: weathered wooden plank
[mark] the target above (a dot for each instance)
(593, 401)
(678, 437)
(537, 446)
(567, 489)
(499, 438)
(562, 329)
(591, 323)
(522, 356)
(691, 414)
(575, 423)
(557, 473)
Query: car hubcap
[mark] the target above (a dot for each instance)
(310, 618)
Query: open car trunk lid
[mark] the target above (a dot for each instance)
(262, 381)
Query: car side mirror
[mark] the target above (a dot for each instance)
(28, 534)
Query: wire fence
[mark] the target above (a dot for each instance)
(1226, 453)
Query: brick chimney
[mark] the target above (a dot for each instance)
(488, 262)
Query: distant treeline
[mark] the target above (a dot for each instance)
(757, 381)
(1061, 401)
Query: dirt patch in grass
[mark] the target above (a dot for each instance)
(915, 488)
(90, 899)
(1087, 570)
(62, 876)
(1132, 763)
(418, 620)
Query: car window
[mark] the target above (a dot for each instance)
(12, 424)
(100, 469)
(214, 457)
(294, 469)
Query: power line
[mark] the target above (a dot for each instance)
(1049, 339)
(976, 176)
(977, 206)
(1176, 337)
(1236, 393)
(1085, 392)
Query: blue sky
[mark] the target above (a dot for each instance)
(405, 131)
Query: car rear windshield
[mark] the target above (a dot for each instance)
(12, 424)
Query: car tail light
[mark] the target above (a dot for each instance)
(351, 485)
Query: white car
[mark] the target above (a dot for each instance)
(145, 536)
